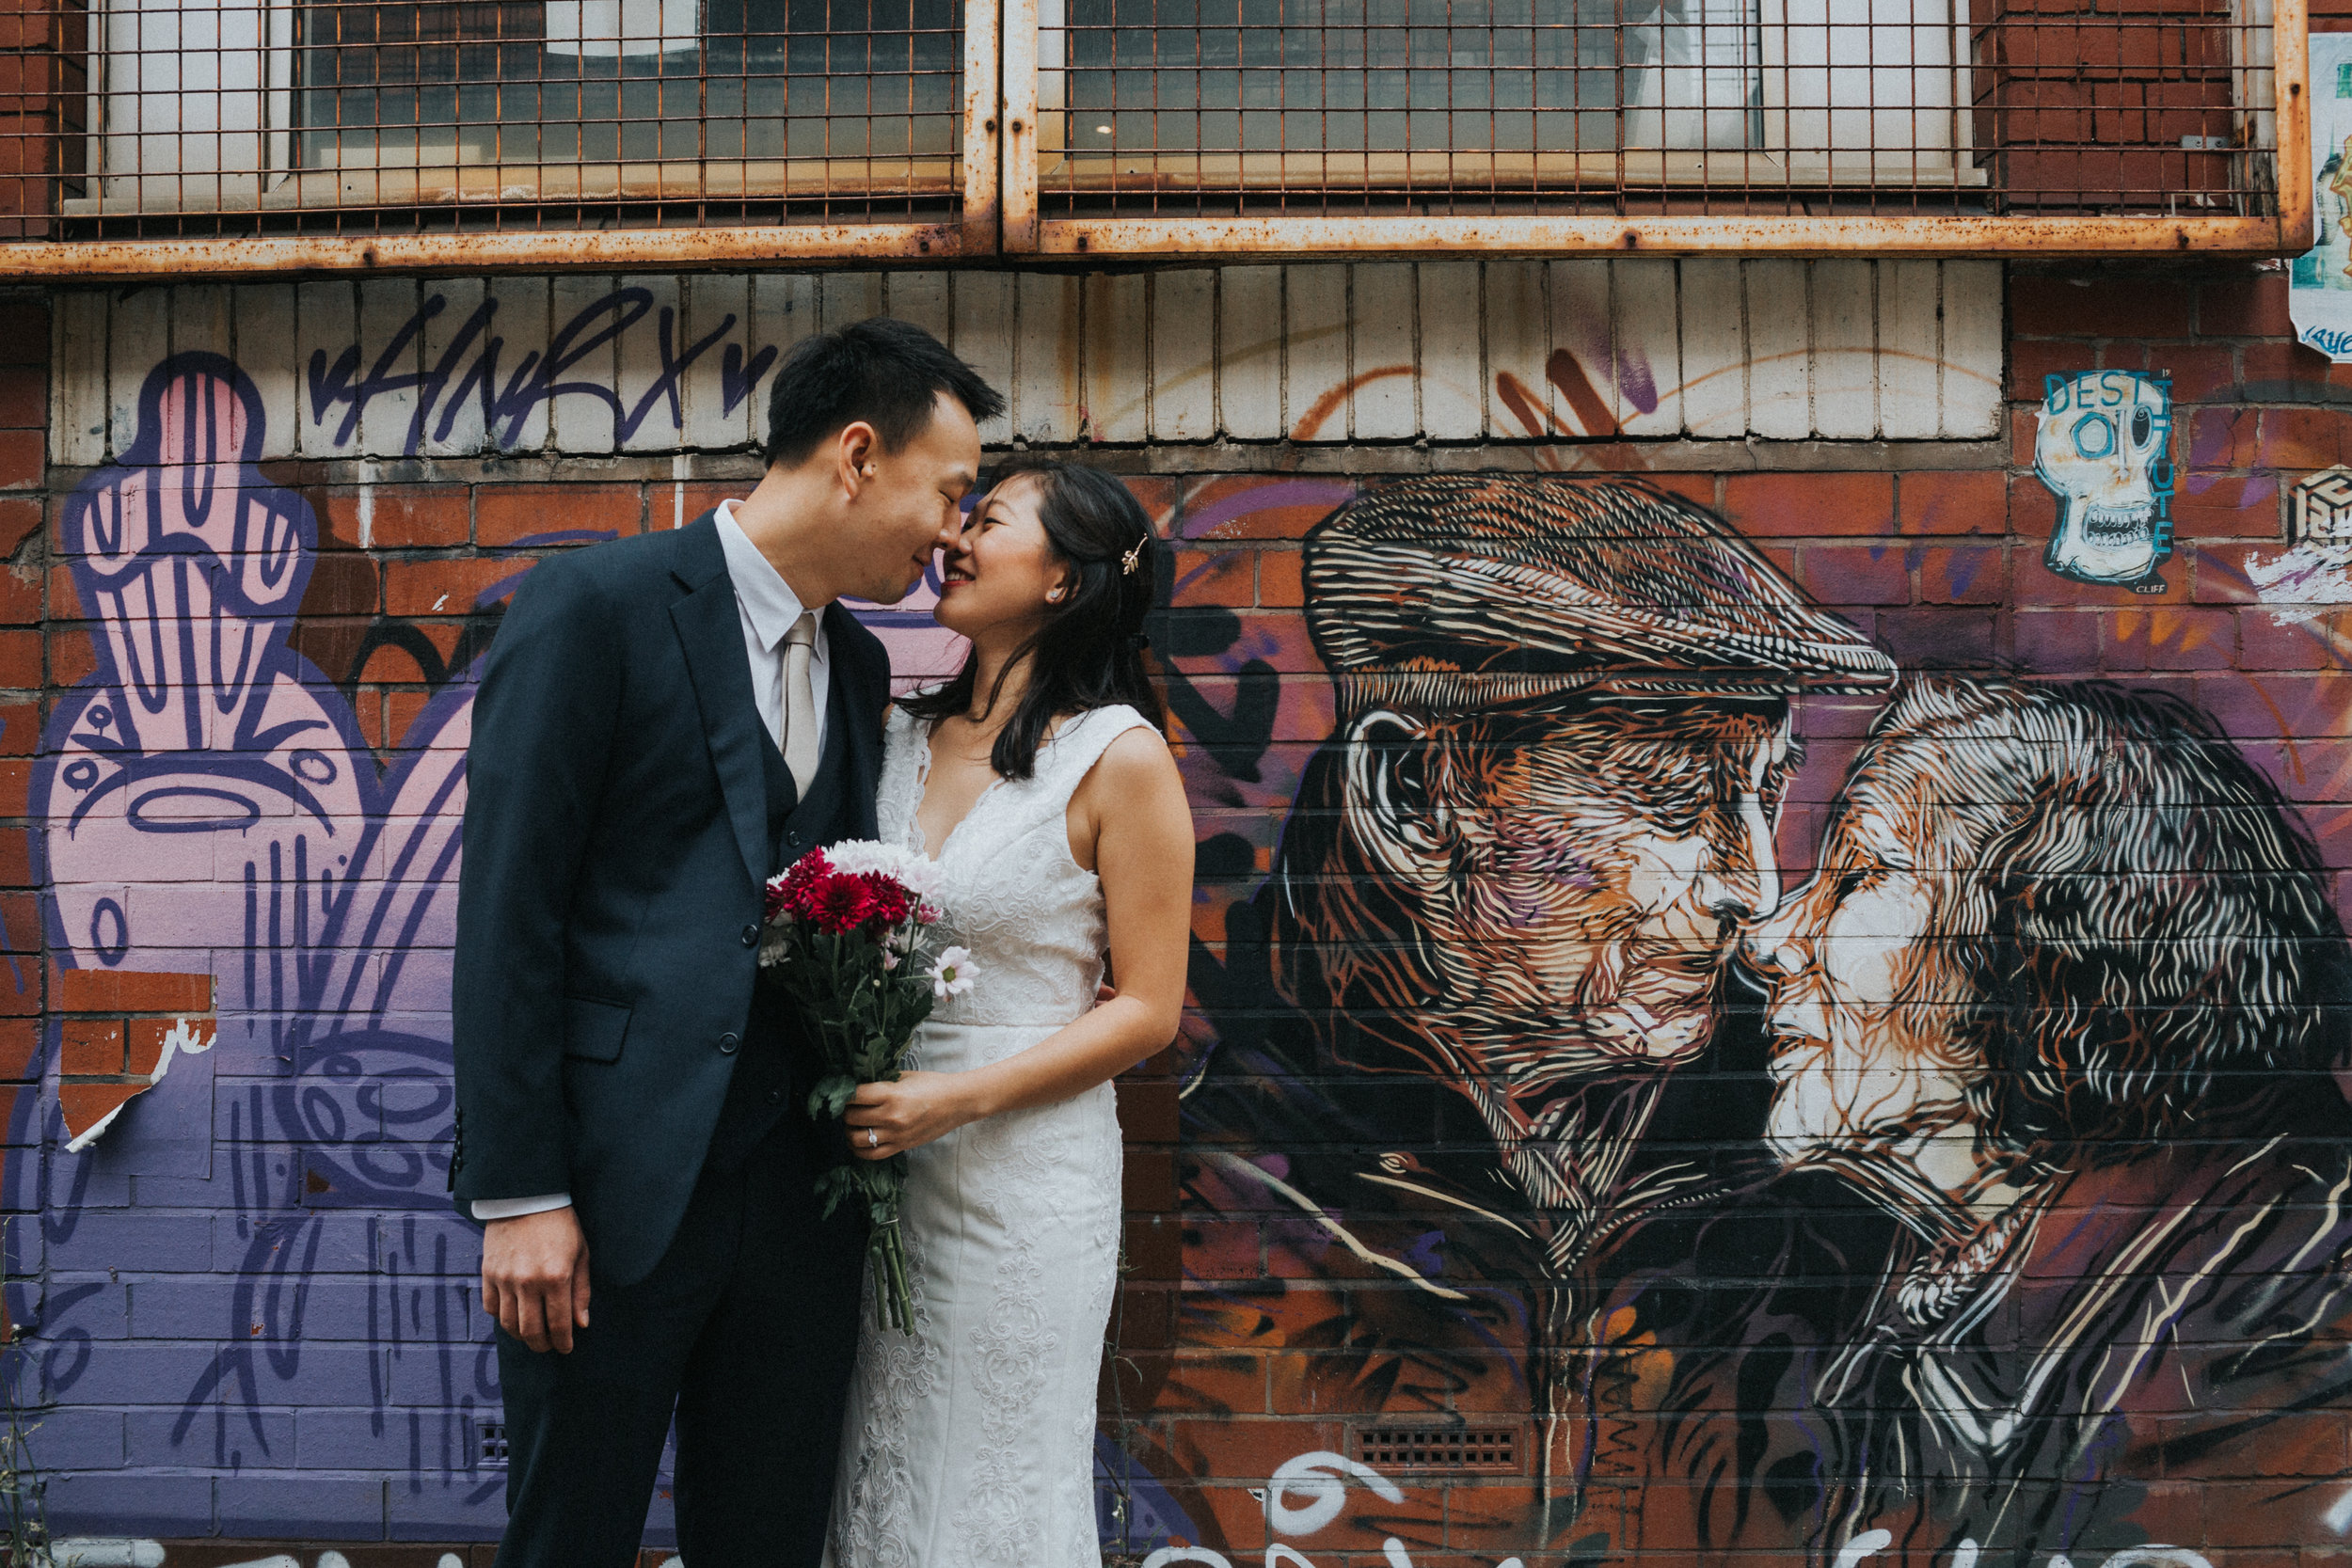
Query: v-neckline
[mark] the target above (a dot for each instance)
(922, 793)
(923, 788)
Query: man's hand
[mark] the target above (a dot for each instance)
(535, 1277)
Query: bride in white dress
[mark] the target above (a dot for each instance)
(1040, 784)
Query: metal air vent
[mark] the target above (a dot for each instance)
(1482, 1448)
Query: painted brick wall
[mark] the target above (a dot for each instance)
(245, 1314)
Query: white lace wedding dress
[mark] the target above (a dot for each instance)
(971, 1443)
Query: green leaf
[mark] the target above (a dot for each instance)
(838, 1186)
(832, 1095)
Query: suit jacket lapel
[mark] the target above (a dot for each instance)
(860, 660)
(710, 631)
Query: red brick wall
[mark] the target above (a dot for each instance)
(1250, 1334)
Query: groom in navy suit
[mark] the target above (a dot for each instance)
(663, 724)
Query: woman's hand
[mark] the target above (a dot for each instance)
(918, 1108)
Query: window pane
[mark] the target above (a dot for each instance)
(452, 83)
(1332, 74)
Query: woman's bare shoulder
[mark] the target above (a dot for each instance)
(1137, 754)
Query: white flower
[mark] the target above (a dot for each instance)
(918, 874)
(952, 975)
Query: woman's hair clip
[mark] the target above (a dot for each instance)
(1134, 557)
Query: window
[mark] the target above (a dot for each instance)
(1066, 127)
(1743, 105)
(319, 105)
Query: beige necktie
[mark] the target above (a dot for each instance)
(800, 702)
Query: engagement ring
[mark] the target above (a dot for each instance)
(873, 1139)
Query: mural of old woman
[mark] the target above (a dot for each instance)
(2063, 1000)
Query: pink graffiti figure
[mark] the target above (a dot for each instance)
(211, 805)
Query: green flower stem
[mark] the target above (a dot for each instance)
(862, 1017)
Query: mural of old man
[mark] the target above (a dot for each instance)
(2064, 1000)
(1499, 920)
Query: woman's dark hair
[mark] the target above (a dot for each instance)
(1089, 652)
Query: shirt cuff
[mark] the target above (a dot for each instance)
(488, 1209)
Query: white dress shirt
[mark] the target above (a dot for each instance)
(769, 609)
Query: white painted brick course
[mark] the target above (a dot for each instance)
(1379, 351)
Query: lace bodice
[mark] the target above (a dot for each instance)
(1031, 916)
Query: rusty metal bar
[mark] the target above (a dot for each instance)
(1943, 235)
(2290, 74)
(526, 250)
(1020, 68)
(983, 110)
(183, 120)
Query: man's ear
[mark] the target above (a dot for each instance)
(856, 450)
(1393, 806)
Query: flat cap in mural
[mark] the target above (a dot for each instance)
(1463, 592)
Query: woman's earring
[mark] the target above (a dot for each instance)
(1055, 597)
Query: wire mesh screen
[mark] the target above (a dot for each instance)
(1212, 107)
(233, 117)
(202, 117)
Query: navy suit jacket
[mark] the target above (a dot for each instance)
(616, 843)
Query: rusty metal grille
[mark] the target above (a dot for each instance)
(200, 117)
(1494, 1449)
(612, 134)
(1211, 108)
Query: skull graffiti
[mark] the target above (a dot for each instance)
(2103, 450)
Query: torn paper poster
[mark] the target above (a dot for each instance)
(90, 1108)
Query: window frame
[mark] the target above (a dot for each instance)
(2282, 124)
(1001, 216)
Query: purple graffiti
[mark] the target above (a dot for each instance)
(212, 807)
(257, 1263)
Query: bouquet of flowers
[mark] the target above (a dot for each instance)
(844, 939)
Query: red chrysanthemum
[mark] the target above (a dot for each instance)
(794, 892)
(840, 904)
(890, 897)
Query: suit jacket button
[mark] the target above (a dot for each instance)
(727, 1044)
(791, 841)
(751, 936)
(775, 1097)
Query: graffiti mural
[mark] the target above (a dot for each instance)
(212, 807)
(2063, 1004)
(213, 810)
(463, 381)
(2105, 450)
(1950, 1206)
(1669, 1079)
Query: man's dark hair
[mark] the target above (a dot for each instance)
(886, 373)
(2147, 933)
